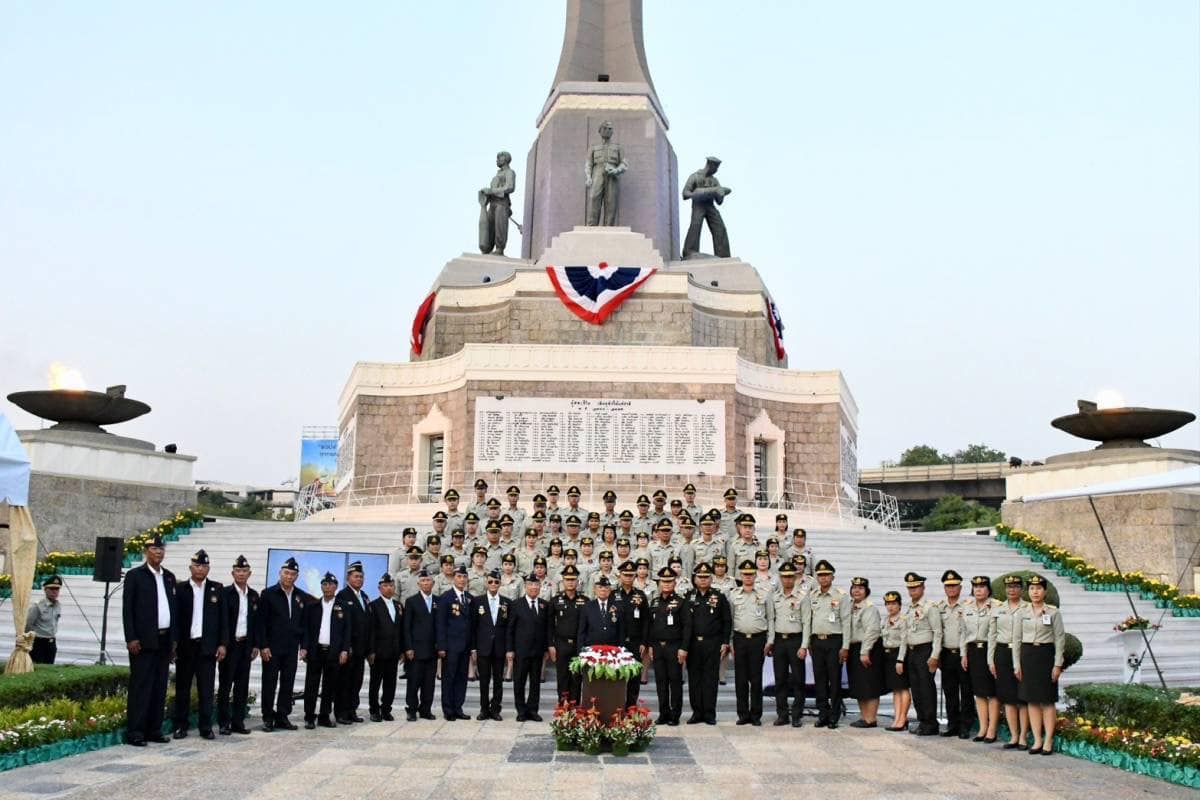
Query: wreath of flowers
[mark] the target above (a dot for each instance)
(606, 662)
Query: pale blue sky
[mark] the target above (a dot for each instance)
(979, 212)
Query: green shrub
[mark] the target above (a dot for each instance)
(46, 682)
(1072, 651)
(58, 720)
(1051, 592)
(1135, 706)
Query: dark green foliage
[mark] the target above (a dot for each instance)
(954, 513)
(72, 682)
(1146, 708)
(1051, 592)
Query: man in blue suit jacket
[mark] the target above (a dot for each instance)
(151, 630)
(454, 644)
(420, 638)
(489, 645)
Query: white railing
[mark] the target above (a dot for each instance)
(309, 501)
(992, 470)
(405, 488)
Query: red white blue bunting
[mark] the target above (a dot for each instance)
(776, 321)
(594, 293)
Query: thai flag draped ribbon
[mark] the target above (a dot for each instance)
(420, 321)
(593, 293)
(776, 328)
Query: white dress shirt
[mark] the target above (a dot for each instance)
(326, 617)
(493, 605)
(243, 612)
(197, 610)
(390, 608)
(164, 605)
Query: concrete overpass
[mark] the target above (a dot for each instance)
(981, 482)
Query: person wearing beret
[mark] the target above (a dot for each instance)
(350, 674)
(978, 618)
(420, 641)
(241, 648)
(150, 616)
(387, 648)
(827, 615)
(1039, 643)
(920, 651)
(891, 633)
(753, 614)
(280, 643)
(203, 633)
(635, 616)
(563, 630)
(526, 648)
(670, 634)
(956, 682)
(327, 644)
(453, 634)
(42, 622)
(489, 645)
(712, 625)
(1001, 665)
(865, 660)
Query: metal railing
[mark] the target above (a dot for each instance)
(309, 501)
(937, 472)
(404, 488)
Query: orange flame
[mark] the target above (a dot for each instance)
(63, 377)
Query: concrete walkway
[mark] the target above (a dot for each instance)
(511, 761)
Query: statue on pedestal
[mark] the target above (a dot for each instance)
(706, 193)
(495, 207)
(605, 163)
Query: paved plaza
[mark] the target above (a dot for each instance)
(516, 761)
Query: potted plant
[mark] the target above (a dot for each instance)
(606, 671)
(564, 724)
(590, 732)
(622, 733)
(643, 726)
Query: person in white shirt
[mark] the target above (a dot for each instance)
(148, 614)
(202, 623)
(241, 648)
(327, 645)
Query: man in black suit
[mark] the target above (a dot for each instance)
(233, 671)
(280, 639)
(420, 639)
(387, 647)
(526, 647)
(350, 676)
(151, 624)
(489, 645)
(600, 622)
(327, 649)
(454, 644)
(202, 636)
(562, 632)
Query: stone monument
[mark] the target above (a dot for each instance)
(680, 377)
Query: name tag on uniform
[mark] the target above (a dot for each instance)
(1045, 619)
(637, 613)
(670, 619)
(833, 617)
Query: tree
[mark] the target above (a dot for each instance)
(979, 454)
(922, 455)
(212, 498)
(953, 513)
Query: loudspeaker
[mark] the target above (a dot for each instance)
(110, 553)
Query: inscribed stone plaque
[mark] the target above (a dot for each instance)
(528, 434)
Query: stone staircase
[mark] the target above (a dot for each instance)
(881, 556)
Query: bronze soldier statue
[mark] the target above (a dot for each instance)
(706, 193)
(495, 207)
(605, 164)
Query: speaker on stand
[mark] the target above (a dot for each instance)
(110, 557)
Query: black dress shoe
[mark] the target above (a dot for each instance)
(743, 721)
(497, 717)
(862, 723)
(387, 716)
(1034, 751)
(481, 716)
(226, 730)
(710, 722)
(207, 735)
(464, 716)
(450, 717)
(376, 717)
(180, 733)
(534, 717)
(797, 721)
(327, 723)
(411, 716)
(267, 727)
(821, 723)
(661, 719)
(521, 717)
(780, 721)
(285, 724)
(356, 718)
(309, 725)
(990, 740)
(978, 739)
(673, 722)
(160, 739)
(949, 732)
(927, 731)
(964, 736)
(833, 723)
(694, 720)
(427, 715)
(1010, 746)
(756, 722)
(136, 742)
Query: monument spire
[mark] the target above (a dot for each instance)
(603, 43)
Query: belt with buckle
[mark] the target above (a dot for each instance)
(979, 645)
(197, 639)
(753, 635)
(662, 643)
(699, 638)
(786, 636)
(240, 638)
(163, 631)
(951, 649)
(890, 650)
(1002, 644)
(1036, 644)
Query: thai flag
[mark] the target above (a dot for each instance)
(420, 321)
(776, 328)
(593, 293)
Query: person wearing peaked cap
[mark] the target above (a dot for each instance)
(406, 577)
(42, 621)
(956, 683)
(489, 617)
(689, 501)
(573, 506)
(451, 494)
(827, 622)
(281, 638)
(712, 625)
(563, 632)
(354, 601)
(865, 660)
(150, 617)
(610, 496)
(202, 636)
(728, 514)
(386, 615)
(553, 491)
(478, 504)
(520, 520)
(742, 544)
(707, 546)
(798, 545)
(1038, 647)
(978, 616)
(892, 631)
(241, 607)
(439, 516)
(789, 605)
(921, 651)
(661, 551)
(420, 642)
(525, 647)
(669, 636)
(753, 635)
(481, 484)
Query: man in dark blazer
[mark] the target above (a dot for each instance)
(420, 641)
(454, 644)
(526, 647)
(280, 639)
(386, 615)
(635, 608)
(151, 624)
(327, 649)
(350, 676)
(202, 637)
(489, 646)
(600, 622)
(241, 648)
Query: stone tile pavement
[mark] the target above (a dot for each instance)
(516, 761)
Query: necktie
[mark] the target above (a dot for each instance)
(602, 606)
(362, 601)
(429, 603)
(533, 605)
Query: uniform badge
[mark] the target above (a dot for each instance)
(503, 610)
(713, 600)
(455, 609)
(482, 611)
(614, 617)
(212, 598)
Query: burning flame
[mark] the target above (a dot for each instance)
(63, 377)
(1109, 398)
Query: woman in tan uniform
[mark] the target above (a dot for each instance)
(892, 636)
(978, 619)
(1000, 663)
(1039, 642)
(865, 662)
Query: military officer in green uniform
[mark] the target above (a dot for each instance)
(753, 634)
(643, 522)
(516, 512)
(689, 502)
(479, 504)
(406, 581)
(42, 621)
(573, 507)
(712, 625)
(729, 516)
(745, 546)
(454, 518)
(826, 623)
(661, 550)
(921, 647)
(610, 515)
(707, 546)
(635, 619)
(956, 683)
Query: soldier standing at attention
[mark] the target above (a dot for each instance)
(978, 618)
(241, 620)
(729, 515)
(892, 632)
(865, 661)
(956, 683)
(712, 625)
(455, 519)
(420, 637)
(753, 633)
(42, 622)
(563, 630)
(635, 617)
(1038, 643)
(790, 602)
(689, 502)
(479, 504)
(327, 649)
(201, 645)
(826, 623)
(670, 634)
(920, 650)
(744, 544)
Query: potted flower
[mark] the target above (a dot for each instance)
(606, 671)
(622, 733)
(590, 732)
(564, 724)
(643, 726)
